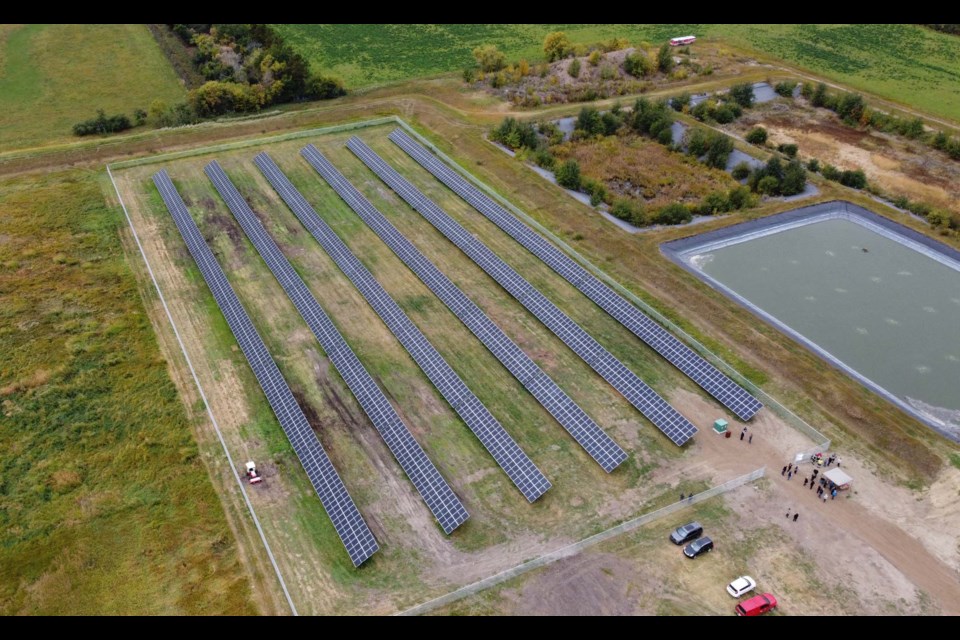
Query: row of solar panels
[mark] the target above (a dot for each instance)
(718, 385)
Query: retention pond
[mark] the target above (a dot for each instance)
(874, 298)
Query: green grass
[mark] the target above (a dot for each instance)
(105, 504)
(52, 76)
(365, 54)
(905, 63)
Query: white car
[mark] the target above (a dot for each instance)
(740, 586)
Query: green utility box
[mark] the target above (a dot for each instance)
(720, 426)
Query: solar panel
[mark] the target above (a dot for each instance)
(583, 429)
(642, 397)
(347, 521)
(434, 490)
(508, 454)
(710, 379)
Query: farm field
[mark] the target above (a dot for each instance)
(106, 503)
(53, 76)
(908, 64)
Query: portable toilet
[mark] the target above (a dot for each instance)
(720, 425)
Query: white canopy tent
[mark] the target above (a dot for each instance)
(839, 478)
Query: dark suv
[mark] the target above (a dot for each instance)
(698, 547)
(686, 533)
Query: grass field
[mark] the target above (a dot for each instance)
(52, 76)
(904, 63)
(105, 503)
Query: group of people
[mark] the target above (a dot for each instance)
(825, 487)
(819, 461)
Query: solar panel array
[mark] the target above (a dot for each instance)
(583, 429)
(725, 390)
(349, 524)
(641, 396)
(508, 454)
(438, 495)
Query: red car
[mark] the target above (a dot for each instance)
(757, 605)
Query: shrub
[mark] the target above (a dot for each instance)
(680, 101)
(740, 198)
(573, 69)
(794, 179)
(940, 141)
(489, 57)
(589, 121)
(789, 149)
(724, 114)
(139, 117)
(629, 210)
(740, 171)
(819, 96)
(757, 135)
(637, 64)
(912, 129)
(102, 124)
(830, 172)
(556, 46)
(515, 134)
(856, 179)
(850, 107)
(568, 175)
(674, 213)
(713, 203)
(543, 158)
(469, 76)
(813, 165)
(720, 148)
(607, 72)
(651, 118)
(594, 58)
(742, 94)
(768, 185)
(785, 88)
(595, 189)
(665, 59)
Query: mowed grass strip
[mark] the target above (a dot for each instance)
(53, 76)
(105, 504)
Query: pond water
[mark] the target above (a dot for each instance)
(881, 305)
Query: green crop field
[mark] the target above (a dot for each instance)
(105, 504)
(52, 76)
(904, 63)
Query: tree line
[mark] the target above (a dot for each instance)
(246, 67)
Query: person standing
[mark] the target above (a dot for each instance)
(788, 514)
(811, 484)
(750, 441)
(795, 516)
(805, 481)
(783, 471)
(743, 432)
(789, 475)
